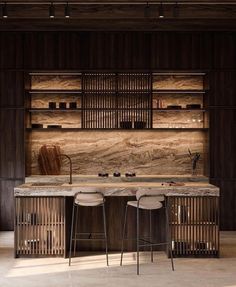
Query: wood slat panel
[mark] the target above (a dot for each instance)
(39, 226)
(120, 100)
(194, 226)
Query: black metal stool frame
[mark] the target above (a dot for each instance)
(148, 243)
(89, 233)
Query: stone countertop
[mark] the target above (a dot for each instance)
(95, 178)
(57, 186)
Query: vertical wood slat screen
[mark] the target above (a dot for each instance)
(194, 224)
(111, 100)
(40, 226)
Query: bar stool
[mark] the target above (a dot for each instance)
(148, 200)
(87, 199)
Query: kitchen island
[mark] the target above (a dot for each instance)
(43, 213)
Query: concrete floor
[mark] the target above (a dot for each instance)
(91, 270)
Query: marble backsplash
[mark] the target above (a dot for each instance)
(145, 152)
(178, 82)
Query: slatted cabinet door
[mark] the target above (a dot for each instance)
(40, 226)
(194, 224)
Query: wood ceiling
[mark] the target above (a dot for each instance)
(120, 15)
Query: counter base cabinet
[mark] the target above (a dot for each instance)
(39, 226)
(194, 225)
(42, 225)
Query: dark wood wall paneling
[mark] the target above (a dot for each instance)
(223, 125)
(210, 51)
(11, 123)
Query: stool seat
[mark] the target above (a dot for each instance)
(146, 205)
(89, 199)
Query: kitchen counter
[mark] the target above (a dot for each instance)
(43, 212)
(120, 186)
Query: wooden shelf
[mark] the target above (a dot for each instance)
(178, 110)
(36, 110)
(112, 129)
(183, 224)
(53, 129)
(179, 91)
(54, 91)
(181, 129)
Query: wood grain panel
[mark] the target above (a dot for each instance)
(12, 144)
(54, 51)
(118, 51)
(224, 54)
(223, 143)
(177, 82)
(41, 51)
(52, 82)
(11, 89)
(193, 51)
(7, 203)
(11, 47)
(227, 203)
(223, 87)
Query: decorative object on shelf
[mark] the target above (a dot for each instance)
(130, 174)
(48, 160)
(160, 104)
(155, 104)
(139, 125)
(116, 174)
(202, 245)
(174, 107)
(62, 105)
(173, 183)
(52, 105)
(193, 106)
(54, 126)
(180, 246)
(37, 126)
(194, 159)
(73, 105)
(70, 162)
(103, 174)
(32, 244)
(126, 125)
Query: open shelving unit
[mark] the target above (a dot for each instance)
(117, 101)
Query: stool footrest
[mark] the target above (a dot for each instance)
(89, 235)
